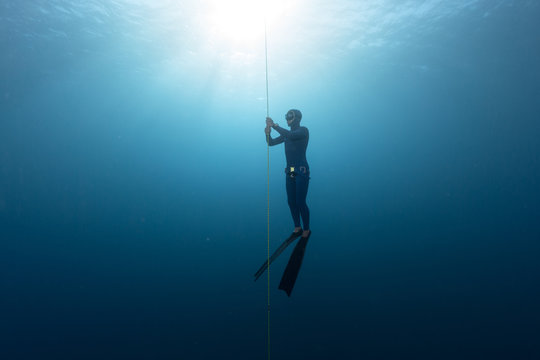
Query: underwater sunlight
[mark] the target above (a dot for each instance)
(242, 21)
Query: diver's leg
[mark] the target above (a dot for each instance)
(302, 183)
(291, 198)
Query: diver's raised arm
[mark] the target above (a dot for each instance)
(269, 124)
(295, 134)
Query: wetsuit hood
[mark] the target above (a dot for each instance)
(297, 115)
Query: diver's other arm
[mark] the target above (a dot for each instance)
(269, 124)
(296, 134)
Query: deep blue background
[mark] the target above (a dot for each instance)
(133, 208)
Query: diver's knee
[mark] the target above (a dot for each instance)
(304, 208)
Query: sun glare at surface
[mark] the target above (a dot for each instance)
(243, 20)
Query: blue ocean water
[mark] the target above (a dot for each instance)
(133, 179)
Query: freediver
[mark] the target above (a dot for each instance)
(297, 170)
(296, 182)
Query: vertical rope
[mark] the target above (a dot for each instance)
(267, 187)
(266, 64)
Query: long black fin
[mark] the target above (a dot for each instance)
(293, 266)
(276, 253)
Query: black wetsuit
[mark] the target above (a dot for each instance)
(296, 142)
